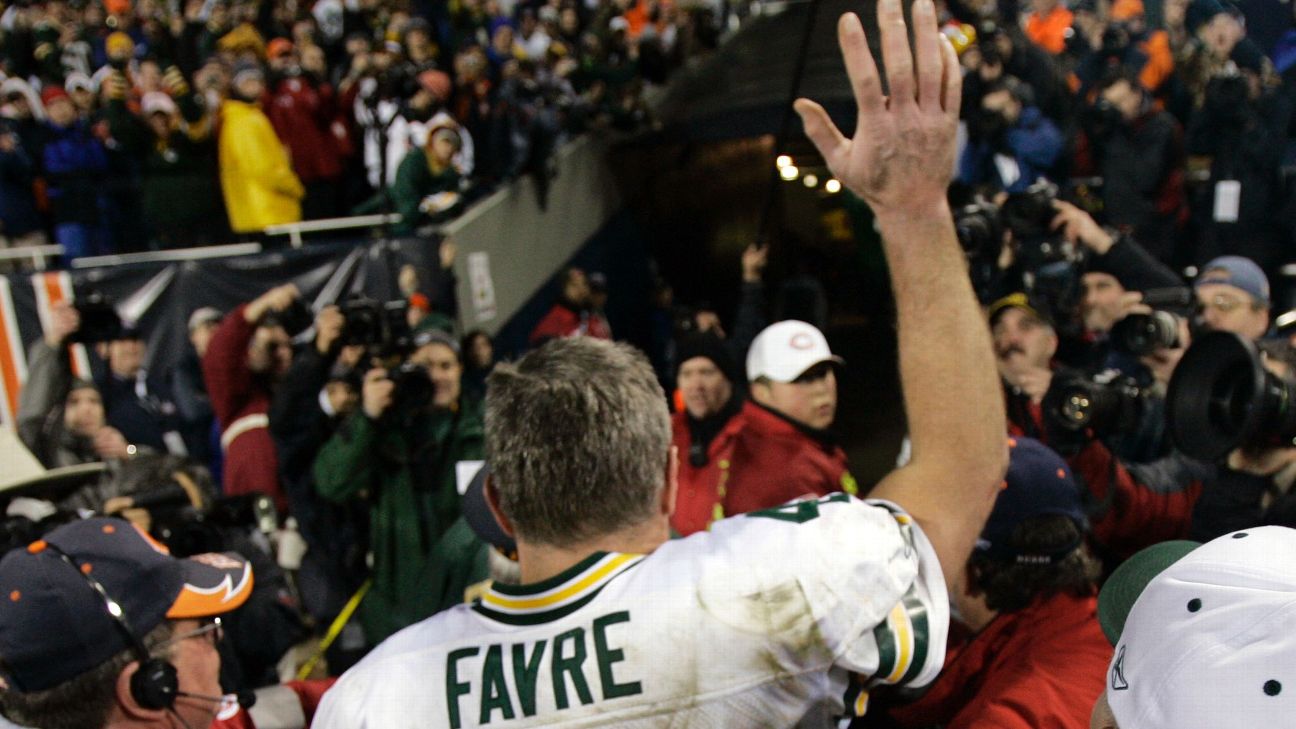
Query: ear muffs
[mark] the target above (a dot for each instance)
(155, 684)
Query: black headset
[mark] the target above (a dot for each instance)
(155, 685)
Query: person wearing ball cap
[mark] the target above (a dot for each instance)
(1028, 598)
(100, 627)
(1233, 294)
(778, 447)
(1202, 634)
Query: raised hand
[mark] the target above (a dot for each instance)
(901, 158)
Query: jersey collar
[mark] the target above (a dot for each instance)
(558, 596)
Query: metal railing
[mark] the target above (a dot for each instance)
(179, 254)
(294, 230)
(37, 254)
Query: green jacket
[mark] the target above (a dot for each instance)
(414, 181)
(407, 475)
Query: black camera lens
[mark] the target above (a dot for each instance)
(414, 389)
(1143, 334)
(99, 320)
(1221, 398)
(1108, 404)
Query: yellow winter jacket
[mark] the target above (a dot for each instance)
(259, 184)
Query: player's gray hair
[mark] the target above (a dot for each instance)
(577, 434)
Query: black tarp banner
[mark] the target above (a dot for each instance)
(159, 297)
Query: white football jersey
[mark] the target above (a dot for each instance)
(779, 618)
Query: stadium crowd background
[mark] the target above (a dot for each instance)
(1168, 132)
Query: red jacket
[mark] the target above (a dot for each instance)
(758, 460)
(1043, 666)
(241, 402)
(564, 321)
(305, 118)
(1133, 514)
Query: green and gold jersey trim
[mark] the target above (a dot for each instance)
(558, 596)
(902, 641)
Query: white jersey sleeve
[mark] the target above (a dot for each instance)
(779, 618)
(866, 572)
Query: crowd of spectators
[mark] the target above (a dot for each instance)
(370, 451)
(1171, 123)
(118, 119)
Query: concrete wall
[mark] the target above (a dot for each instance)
(509, 248)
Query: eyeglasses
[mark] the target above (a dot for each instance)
(1221, 303)
(210, 627)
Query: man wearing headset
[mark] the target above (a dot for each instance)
(100, 627)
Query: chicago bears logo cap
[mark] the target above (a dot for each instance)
(1205, 636)
(54, 626)
(783, 351)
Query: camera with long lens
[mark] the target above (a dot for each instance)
(1227, 94)
(1143, 334)
(1104, 404)
(380, 327)
(980, 233)
(413, 391)
(979, 229)
(1051, 265)
(99, 320)
(1221, 398)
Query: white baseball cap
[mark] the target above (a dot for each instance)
(1210, 640)
(783, 351)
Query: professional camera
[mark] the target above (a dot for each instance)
(187, 531)
(1143, 334)
(981, 235)
(1221, 398)
(1106, 403)
(1051, 265)
(413, 392)
(1115, 40)
(1227, 93)
(99, 320)
(381, 327)
(295, 319)
(979, 229)
(1101, 119)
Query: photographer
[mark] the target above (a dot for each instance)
(1004, 51)
(1137, 150)
(136, 407)
(1117, 270)
(1253, 487)
(246, 358)
(318, 393)
(1233, 294)
(1123, 43)
(399, 454)
(1011, 144)
(1233, 128)
(1024, 345)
